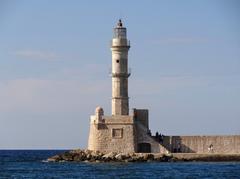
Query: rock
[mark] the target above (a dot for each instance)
(122, 156)
(51, 160)
(89, 156)
(67, 156)
(77, 158)
(158, 156)
(148, 157)
(76, 151)
(167, 158)
(87, 151)
(109, 156)
(54, 158)
(96, 156)
(138, 157)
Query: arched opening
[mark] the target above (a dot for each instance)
(144, 148)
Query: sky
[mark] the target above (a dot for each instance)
(55, 60)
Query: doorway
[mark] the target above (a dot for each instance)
(144, 148)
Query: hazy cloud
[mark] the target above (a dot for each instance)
(56, 95)
(36, 54)
(34, 95)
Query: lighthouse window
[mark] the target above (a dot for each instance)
(117, 61)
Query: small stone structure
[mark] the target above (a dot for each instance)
(125, 133)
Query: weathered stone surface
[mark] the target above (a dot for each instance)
(115, 134)
(221, 144)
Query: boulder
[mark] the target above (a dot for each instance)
(158, 156)
(67, 156)
(54, 158)
(120, 156)
(97, 155)
(148, 156)
(78, 158)
(109, 156)
(167, 158)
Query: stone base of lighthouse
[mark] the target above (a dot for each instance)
(122, 133)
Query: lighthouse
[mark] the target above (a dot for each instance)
(124, 132)
(121, 131)
(120, 72)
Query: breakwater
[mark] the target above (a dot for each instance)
(96, 156)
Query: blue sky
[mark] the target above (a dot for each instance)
(55, 58)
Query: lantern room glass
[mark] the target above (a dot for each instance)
(120, 33)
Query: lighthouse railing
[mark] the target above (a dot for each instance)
(110, 73)
(119, 43)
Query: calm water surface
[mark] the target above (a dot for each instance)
(29, 164)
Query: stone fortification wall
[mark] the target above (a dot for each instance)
(112, 134)
(203, 144)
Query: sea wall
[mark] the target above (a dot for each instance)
(228, 144)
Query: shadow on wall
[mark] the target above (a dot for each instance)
(101, 126)
(144, 148)
(174, 144)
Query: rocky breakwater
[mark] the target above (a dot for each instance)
(96, 156)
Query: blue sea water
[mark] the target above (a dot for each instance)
(30, 164)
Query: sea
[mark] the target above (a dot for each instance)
(33, 164)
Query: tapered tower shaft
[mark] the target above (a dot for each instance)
(120, 73)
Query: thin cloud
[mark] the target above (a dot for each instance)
(180, 40)
(38, 95)
(36, 55)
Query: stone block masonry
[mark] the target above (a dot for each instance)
(224, 144)
(113, 134)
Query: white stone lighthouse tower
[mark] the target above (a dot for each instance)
(120, 132)
(120, 73)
